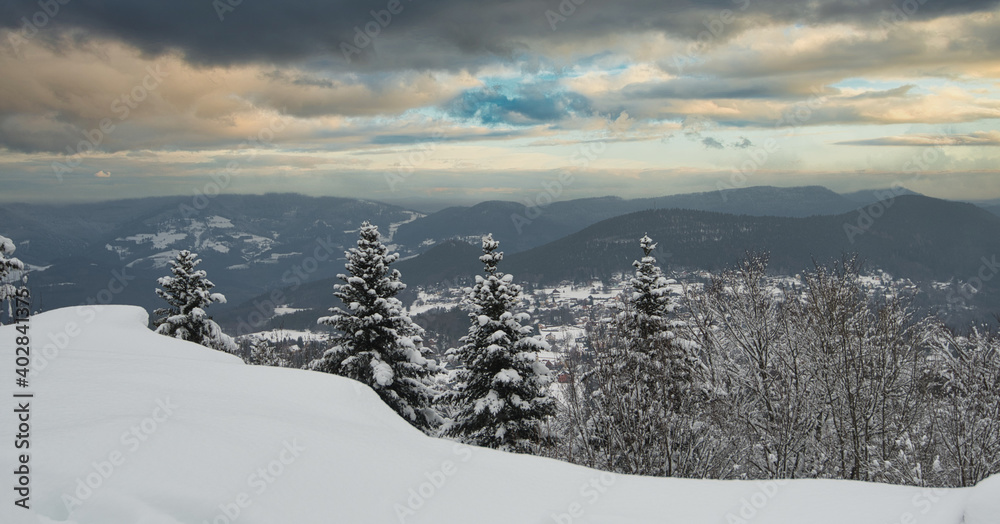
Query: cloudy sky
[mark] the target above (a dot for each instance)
(426, 101)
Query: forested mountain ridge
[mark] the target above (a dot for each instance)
(927, 240)
(913, 236)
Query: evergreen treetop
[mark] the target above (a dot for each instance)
(379, 345)
(188, 294)
(8, 265)
(502, 392)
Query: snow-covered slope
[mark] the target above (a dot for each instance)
(131, 427)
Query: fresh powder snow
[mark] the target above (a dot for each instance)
(128, 427)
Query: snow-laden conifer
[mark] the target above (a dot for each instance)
(378, 344)
(188, 294)
(651, 324)
(645, 401)
(502, 397)
(8, 264)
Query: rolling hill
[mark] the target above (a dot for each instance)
(916, 237)
(263, 251)
(114, 251)
(525, 227)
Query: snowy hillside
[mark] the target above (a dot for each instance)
(249, 243)
(131, 427)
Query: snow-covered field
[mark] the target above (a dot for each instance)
(285, 310)
(596, 289)
(159, 240)
(428, 301)
(281, 335)
(131, 427)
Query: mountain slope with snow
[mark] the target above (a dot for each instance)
(249, 243)
(131, 427)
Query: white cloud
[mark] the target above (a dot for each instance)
(976, 138)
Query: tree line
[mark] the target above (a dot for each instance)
(751, 378)
(745, 377)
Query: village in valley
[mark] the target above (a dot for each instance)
(562, 315)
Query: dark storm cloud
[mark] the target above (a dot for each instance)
(904, 47)
(20, 133)
(713, 143)
(853, 10)
(422, 34)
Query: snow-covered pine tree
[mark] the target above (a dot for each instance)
(379, 345)
(645, 403)
(652, 324)
(188, 293)
(263, 352)
(7, 265)
(501, 396)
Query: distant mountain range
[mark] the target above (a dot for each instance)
(525, 227)
(924, 239)
(993, 206)
(254, 246)
(916, 237)
(863, 198)
(249, 243)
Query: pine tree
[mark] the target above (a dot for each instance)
(379, 345)
(651, 325)
(263, 352)
(188, 293)
(643, 407)
(7, 265)
(502, 393)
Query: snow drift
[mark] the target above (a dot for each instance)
(131, 427)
